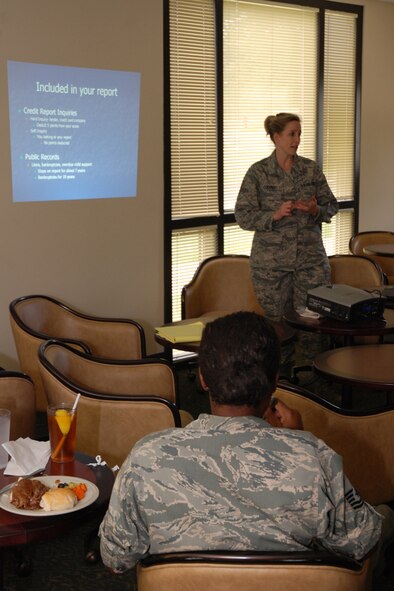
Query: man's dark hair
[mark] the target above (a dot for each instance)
(239, 359)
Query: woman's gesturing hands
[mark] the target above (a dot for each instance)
(286, 209)
(309, 207)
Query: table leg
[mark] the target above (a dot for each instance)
(1, 570)
(24, 562)
(347, 396)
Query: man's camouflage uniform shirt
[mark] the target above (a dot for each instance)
(233, 483)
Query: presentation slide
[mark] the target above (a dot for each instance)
(74, 132)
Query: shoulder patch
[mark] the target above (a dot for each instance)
(354, 499)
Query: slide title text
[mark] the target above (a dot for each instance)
(72, 89)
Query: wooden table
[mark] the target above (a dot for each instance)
(369, 366)
(348, 330)
(284, 332)
(382, 250)
(20, 530)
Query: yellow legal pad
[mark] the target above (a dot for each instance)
(181, 333)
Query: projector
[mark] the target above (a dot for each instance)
(344, 302)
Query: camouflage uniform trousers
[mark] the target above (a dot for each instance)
(280, 291)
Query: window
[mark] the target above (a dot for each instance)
(230, 63)
(254, 86)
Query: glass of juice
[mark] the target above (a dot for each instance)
(62, 424)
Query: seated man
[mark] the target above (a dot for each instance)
(230, 480)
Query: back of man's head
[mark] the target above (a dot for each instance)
(239, 359)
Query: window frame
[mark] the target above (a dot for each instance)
(219, 221)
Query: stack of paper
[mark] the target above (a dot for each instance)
(181, 333)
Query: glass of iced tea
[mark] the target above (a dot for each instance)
(62, 424)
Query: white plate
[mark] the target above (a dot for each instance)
(91, 495)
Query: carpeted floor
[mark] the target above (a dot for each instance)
(60, 564)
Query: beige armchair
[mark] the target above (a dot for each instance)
(17, 394)
(37, 318)
(120, 401)
(252, 571)
(365, 443)
(364, 439)
(221, 285)
(357, 271)
(362, 239)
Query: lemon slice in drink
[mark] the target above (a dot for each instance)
(63, 419)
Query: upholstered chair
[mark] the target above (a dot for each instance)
(357, 271)
(37, 318)
(221, 285)
(120, 401)
(364, 439)
(362, 239)
(17, 394)
(252, 571)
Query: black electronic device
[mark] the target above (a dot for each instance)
(344, 302)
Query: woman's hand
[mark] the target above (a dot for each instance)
(280, 415)
(284, 210)
(309, 207)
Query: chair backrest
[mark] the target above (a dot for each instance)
(253, 571)
(37, 318)
(357, 271)
(17, 394)
(221, 284)
(364, 439)
(354, 270)
(149, 376)
(109, 421)
(362, 239)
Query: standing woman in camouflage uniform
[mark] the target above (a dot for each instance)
(283, 199)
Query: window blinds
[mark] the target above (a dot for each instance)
(269, 66)
(194, 186)
(339, 102)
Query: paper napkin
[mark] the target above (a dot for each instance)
(27, 455)
(306, 313)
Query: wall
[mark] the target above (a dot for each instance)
(105, 257)
(101, 256)
(377, 120)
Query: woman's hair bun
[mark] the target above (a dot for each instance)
(276, 123)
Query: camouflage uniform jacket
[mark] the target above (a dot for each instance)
(233, 483)
(265, 187)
